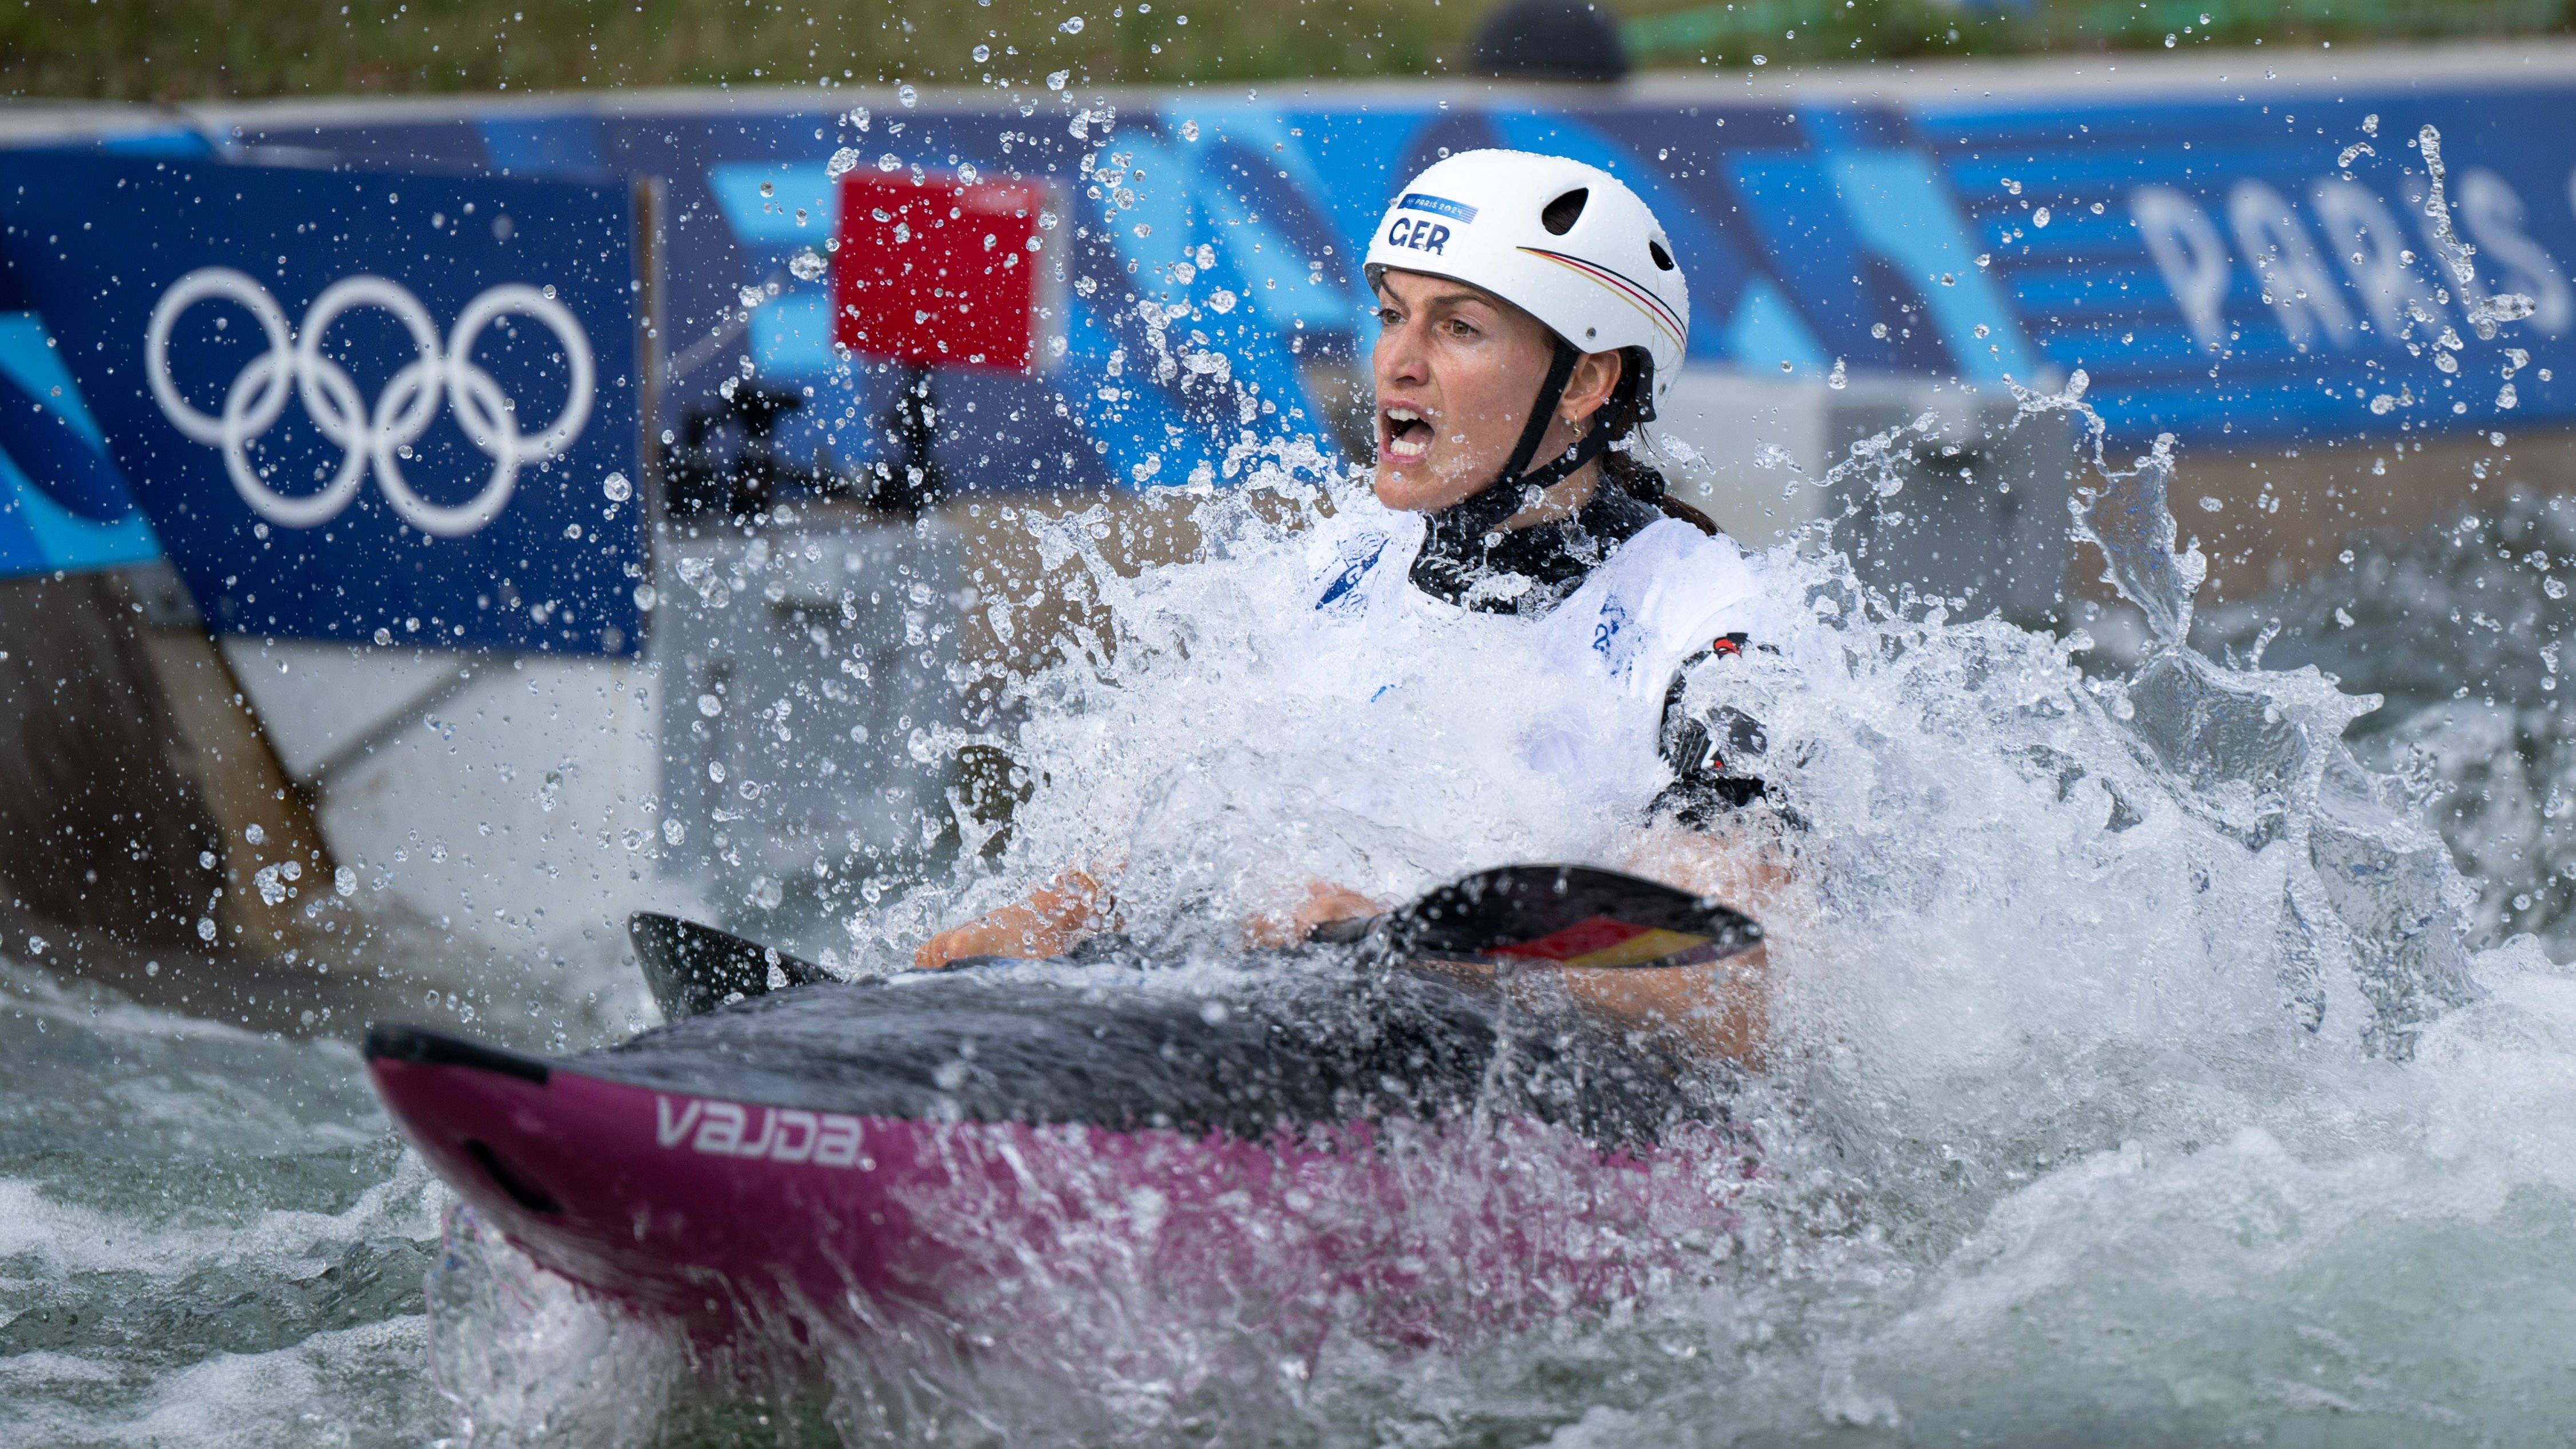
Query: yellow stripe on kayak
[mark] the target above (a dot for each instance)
(1640, 949)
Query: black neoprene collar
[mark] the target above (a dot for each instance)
(1464, 563)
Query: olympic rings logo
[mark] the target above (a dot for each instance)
(439, 373)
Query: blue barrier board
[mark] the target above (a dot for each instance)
(352, 405)
(63, 505)
(2230, 268)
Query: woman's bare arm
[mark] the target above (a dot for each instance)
(1721, 1009)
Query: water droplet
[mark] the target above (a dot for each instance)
(710, 706)
(1072, 25)
(769, 188)
(2170, 40)
(1761, 60)
(1189, 130)
(843, 162)
(2012, 186)
(1056, 79)
(806, 265)
(889, 162)
(2506, 397)
(255, 835)
(2039, 217)
(983, 53)
(616, 487)
(1837, 379)
(907, 95)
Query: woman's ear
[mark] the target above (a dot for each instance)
(1588, 388)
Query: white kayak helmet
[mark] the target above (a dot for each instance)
(1567, 243)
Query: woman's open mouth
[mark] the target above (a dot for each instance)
(1405, 435)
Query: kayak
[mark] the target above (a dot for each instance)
(1407, 1131)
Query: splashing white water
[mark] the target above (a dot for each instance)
(2132, 1066)
(2486, 310)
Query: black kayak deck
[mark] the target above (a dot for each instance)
(1283, 1040)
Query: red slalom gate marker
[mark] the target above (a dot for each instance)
(939, 271)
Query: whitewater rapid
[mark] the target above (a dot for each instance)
(2145, 1070)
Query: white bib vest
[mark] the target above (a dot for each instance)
(1662, 596)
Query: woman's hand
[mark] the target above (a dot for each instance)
(1290, 925)
(1053, 920)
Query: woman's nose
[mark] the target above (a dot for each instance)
(1400, 356)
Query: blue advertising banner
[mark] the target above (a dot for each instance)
(2242, 264)
(63, 505)
(353, 406)
(2274, 268)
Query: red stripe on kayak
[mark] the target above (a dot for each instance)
(1596, 933)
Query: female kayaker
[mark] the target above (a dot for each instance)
(1530, 311)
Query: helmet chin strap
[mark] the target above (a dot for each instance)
(1514, 489)
(1459, 542)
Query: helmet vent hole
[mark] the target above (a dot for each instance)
(1655, 249)
(1561, 214)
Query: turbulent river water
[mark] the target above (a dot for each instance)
(2169, 1050)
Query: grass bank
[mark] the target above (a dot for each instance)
(209, 49)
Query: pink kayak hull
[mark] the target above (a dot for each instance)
(711, 1209)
